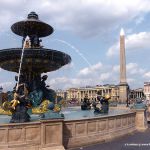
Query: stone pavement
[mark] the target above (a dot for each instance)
(134, 141)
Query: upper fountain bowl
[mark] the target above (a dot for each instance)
(38, 60)
(32, 26)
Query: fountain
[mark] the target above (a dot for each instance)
(30, 62)
(31, 96)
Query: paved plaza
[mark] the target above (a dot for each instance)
(134, 141)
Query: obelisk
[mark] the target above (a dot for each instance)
(123, 87)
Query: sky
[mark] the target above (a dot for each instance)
(87, 30)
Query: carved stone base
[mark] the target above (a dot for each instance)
(140, 120)
(40, 135)
(148, 113)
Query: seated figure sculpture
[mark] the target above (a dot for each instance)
(104, 105)
(19, 105)
(85, 105)
(15, 101)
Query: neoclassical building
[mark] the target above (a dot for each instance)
(92, 92)
(137, 93)
(147, 90)
(61, 93)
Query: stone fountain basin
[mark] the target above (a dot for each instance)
(39, 60)
(79, 128)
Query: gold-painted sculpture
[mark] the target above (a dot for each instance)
(3, 111)
(107, 96)
(15, 101)
(42, 108)
(8, 107)
(57, 108)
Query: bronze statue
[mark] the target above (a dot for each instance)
(104, 101)
(86, 105)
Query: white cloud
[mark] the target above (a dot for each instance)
(113, 50)
(105, 76)
(97, 74)
(146, 75)
(84, 17)
(90, 70)
(137, 41)
(93, 75)
(64, 82)
(131, 81)
(133, 69)
(68, 66)
(116, 68)
(101, 74)
(139, 20)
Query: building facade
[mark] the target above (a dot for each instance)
(136, 94)
(61, 93)
(147, 90)
(92, 92)
(102, 90)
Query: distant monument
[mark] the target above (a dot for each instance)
(123, 86)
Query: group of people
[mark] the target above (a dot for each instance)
(100, 106)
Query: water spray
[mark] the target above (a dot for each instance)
(22, 54)
(76, 50)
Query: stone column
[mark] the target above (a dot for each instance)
(122, 57)
(140, 120)
(123, 83)
(102, 92)
(79, 95)
(148, 113)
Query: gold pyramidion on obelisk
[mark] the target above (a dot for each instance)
(123, 88)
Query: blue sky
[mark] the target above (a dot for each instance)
(87, 30)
